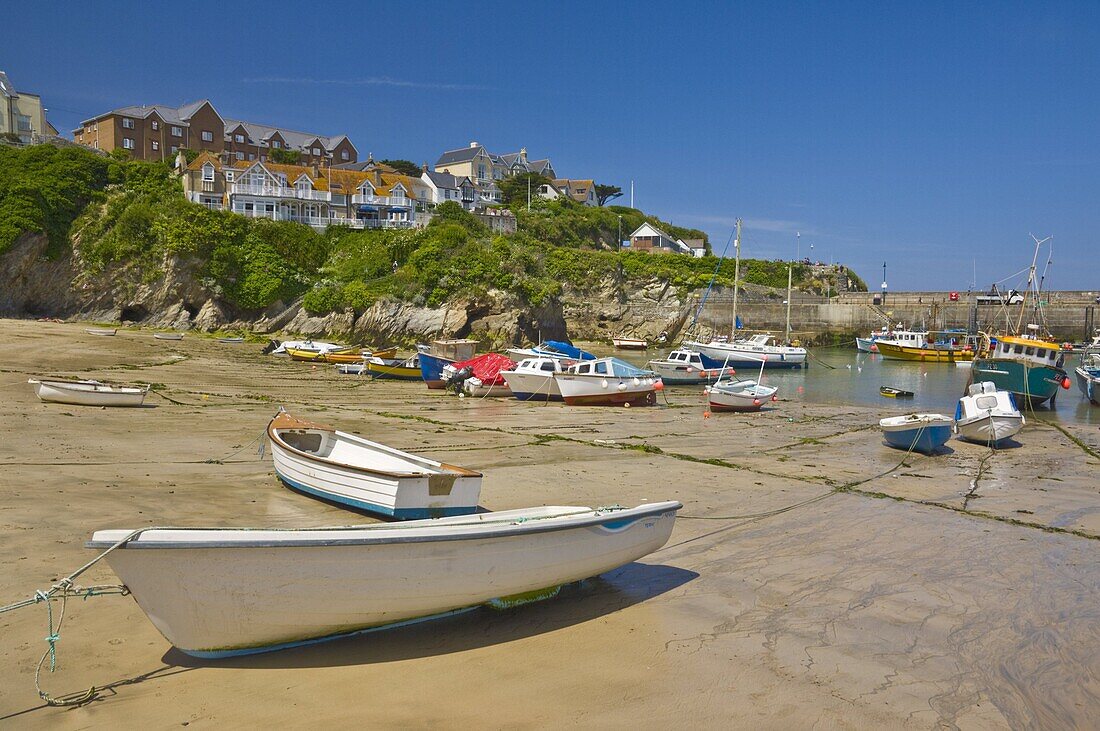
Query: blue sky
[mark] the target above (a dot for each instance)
(929, 135)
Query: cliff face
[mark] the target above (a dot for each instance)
(33, 286)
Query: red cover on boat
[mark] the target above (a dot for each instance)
(487, 367)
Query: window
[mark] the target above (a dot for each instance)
(175, 149)
(156, 124)
(1019, 349)
(238, 138)
(316, 150)
(23, 122)
(207, 136)
(252, 156)
(156, 145)
(344, 155)
(601, 368)
(239, 155)
(207, 172)
(303, 185)
(229, 176)
(276, 144)
(128, 143)
(127, 123)
(177, 131)
(481, 172)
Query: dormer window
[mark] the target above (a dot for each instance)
(316, 150)
(276, 144)
(208, 172)
(304, 184)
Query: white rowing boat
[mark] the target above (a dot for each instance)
(168, 336)
(731, 395)
(218, 592)
(101, 331)
(88, 393)
(318, 460)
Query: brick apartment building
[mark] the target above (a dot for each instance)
(158, 132)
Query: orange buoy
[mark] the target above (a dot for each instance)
(1065, 383)
(659, 386)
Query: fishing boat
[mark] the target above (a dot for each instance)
(942, 347)
(104, 332)
(891, 392)
(277, 347)
(625, 342)
(683, 367)
(1027, 366)
(1088, 377)
(168, 336)
(552, 349)
(743, 395)
(897, 336)
(407, 369)
(986, 415)
(533, 378)
(219, 592)
(439, 353)
(917, 432)
(480, 376)
(318, 460)
(607, 382)
(88, 393)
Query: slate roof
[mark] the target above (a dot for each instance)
(6, 87)
(463, 154)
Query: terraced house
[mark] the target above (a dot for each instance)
(158, 132)
(375, 197)
(484, 168)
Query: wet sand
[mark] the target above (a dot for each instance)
(924, 598)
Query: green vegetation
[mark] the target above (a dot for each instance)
(605, 193)
(405, 167)
(283, 156)
(129, 220)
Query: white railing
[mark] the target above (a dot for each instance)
(314, 195)
(275, 191)
(382, 200)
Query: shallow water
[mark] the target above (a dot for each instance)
(842, 375)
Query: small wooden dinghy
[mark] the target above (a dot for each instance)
(88, 393)
(101, 331)
(891, 392)
(746, 395)
(987, 416)
(624, 342)
(168, 336)
(226, 591)
(917, 432)
(344, 468)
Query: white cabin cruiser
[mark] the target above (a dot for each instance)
(607, 382)
(533, 379)
(986, 415)
(686, 367)
(759, 348)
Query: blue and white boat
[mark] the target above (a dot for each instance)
(987, 416)
(559, 349)
(1088, 377)
(749, 352)
(441, 353)
(917, 432)
(686, 367)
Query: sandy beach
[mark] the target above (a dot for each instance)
(800, 588)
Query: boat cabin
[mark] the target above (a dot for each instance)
(542, 364)
(685, 358)
(910, 338)
(1038, 352)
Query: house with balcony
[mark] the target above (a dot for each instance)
(446, 187)
(306, 194)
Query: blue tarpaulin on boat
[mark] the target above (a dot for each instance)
(566, 348)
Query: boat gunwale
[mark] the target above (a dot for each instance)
(486, 531)
(95, 387)
(273, 435)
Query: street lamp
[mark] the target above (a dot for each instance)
(619, 241)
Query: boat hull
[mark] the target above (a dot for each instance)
(481, 390)
(891, 351)
(992, 429)
(393, 372)
(61, 393)
(750, 398)
(219, 598)
(431, 369)
(577, 390)
(735, 358)
(866, 345)
(629, 344)
(1088, 385)
(919, 436)
(1036, 384)
(539, 386)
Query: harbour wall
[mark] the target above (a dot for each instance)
(821, 320)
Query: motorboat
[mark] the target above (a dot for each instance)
(440, 353)
(219, 592)
(88, 393)
(986, 415)
(744, 395)
(1028, 366)
(752, 351)
(1088, 377)
(917, 432)
(686, 367)
(625, 342)
(891, 392)
(533, 378)
(334, 465)
(607, 382)
(552, 349)
(280, 347)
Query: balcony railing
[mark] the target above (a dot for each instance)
(276, 191)
(382, 200)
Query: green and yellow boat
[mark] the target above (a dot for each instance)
(1026, 365)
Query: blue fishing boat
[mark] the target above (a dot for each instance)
(442, 353)
(1088, 377)
(923, 433)
(561, 349)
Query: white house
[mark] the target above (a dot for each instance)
(649, 238)
(447, 187)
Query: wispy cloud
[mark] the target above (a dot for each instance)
(365, 81)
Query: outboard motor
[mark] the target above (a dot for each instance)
(456, 379)
(272, 345)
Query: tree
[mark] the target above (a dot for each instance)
(286, 157)
(405, 167)
(605, 193)
(515, 188)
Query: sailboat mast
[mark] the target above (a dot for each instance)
(789, 304)
(736, 278)
(1030, 282)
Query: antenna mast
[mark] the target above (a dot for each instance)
(736, 278)
(1030, 281)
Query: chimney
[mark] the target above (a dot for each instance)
(424, 168)
(377, 177)
(523, 155)
(474, 144)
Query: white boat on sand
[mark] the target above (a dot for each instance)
(986, 415)
(318, 460)
(686, 367)
(224, 591)
(88, 393)
(101, 331)
(607, 382)
(625, 342)
(747, 395)
(168, 336)
(533, 378)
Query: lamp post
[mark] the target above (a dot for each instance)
(619, 241)
(883, 284)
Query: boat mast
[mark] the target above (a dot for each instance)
(736, 278)
(1030, 282)
(788, 304)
